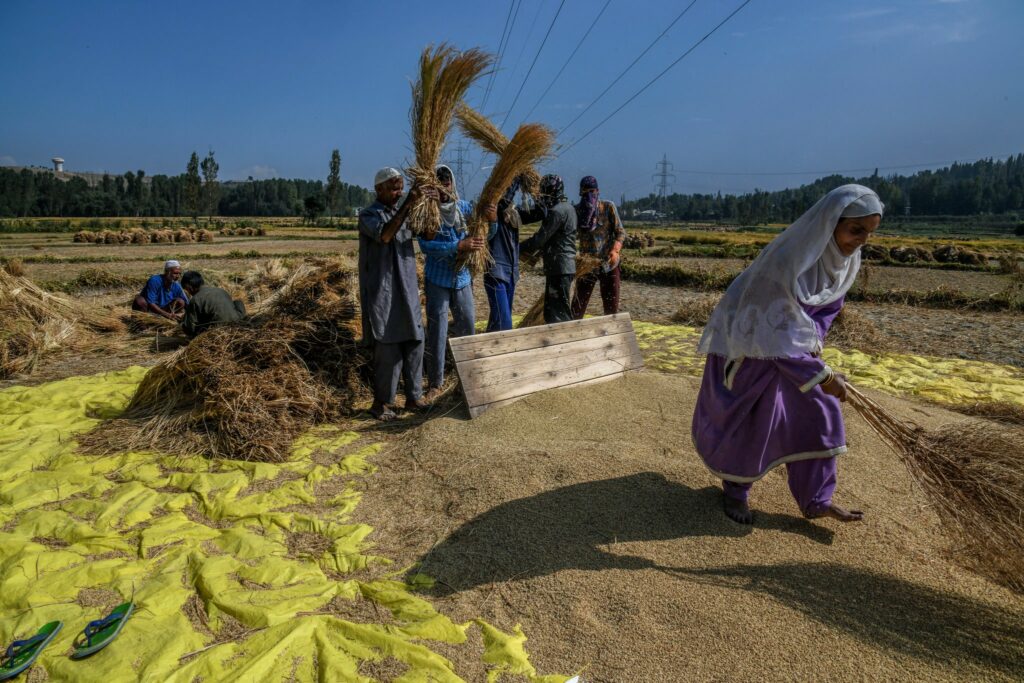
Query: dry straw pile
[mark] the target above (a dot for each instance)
(33, 321)
(445, 76)
(973, 472)
(244, 391)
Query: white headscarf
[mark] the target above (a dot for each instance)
(450, 213)
(760, 315)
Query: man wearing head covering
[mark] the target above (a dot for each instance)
(767, 398)
(601, 237)
(389, 294)
(556, 240)
(503, 272)
(208, 306)
(448, 285)
(162, 294)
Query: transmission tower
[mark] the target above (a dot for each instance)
(459, 164)
(664, 178)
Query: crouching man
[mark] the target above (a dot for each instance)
(208, 306)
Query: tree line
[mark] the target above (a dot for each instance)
(982, 187)
(197, 192)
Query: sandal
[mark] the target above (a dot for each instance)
(21, 654)
(100, 633)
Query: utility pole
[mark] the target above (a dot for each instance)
(458, 164)
(664, 178)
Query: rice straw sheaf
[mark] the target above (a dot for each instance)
(973, 473)
(478, 127)
(531, 143)
(246, 390)
(445, 76)
(33, 321)
(585, 265)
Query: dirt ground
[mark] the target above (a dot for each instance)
(585, 516)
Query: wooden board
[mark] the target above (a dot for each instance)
(498, 368)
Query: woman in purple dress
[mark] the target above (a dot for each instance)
(767, 398)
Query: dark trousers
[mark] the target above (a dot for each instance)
(609, 292)
(390, 361)
(556, 298)
(499, 296)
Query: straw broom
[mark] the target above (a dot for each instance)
(479, 128)
(585, 265)
(445, 76)
(531, 142)
(973, 473)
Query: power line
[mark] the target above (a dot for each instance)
(522, 50)
(534, 63)
(505, 32)
(656, 78)
(631, 65)
(555, 79)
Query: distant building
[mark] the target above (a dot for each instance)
(92, 178)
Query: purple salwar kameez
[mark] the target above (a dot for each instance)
(754, 414)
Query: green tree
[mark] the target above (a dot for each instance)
(193, 187)
(334, 184)
(211, 188)
(314, 205)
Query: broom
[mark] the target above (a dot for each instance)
(531, 142)
(973, 472)
(445, 76)
(585, 265)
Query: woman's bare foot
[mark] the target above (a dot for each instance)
(840, 513)
(738, 510)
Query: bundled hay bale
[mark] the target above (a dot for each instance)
(182, 235)
(262, 232)
(33, 321)
(444, 77)
(204, 236)
(110, 237)
(163, 236)
(950, 253)
(14, 266)
(973, 472)
(245, 390)
(264, 278)
(139, 322)
(140, 237)
(82, 236)
(531, 143)
(585, 265)
(874, 252)
(638, 240)
(696, 311)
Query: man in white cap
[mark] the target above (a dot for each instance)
(162, 294)
(389, 294)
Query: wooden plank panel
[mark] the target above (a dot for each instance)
(475, 411)
(510, 341)
(477, 366)
(484, 374)
(551, 379)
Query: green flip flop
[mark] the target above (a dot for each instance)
(100, 633)
(21, 654)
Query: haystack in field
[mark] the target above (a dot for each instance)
(33, 321)
(444, 77)
(973, 473)
(245, 391)
(183, 236)
(531, 143)
(163, 236)
(204, 235)
(140, 237)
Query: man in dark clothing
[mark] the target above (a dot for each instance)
(503, 273)
(556, 240)
(207, 306)
(389, 294)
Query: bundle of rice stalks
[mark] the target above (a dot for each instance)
(33, 321)
(531, 143)
(973, 473)
(585, 265)
(262, 232)
(445, 76)
(83, 236)
(14, 266)
(204, 236)
(999, 411)
(696, 311)
(245, 390)
(183, 236)
(140, 237)
(478, 127)
(163, 236)
(138, 322)
(263, 279)
(110, 237)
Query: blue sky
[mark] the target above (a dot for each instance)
(272, 87)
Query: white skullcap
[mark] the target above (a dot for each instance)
(864, 205)
(171, 264)
(385, 174)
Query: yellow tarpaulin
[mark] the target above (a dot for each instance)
(239, 571)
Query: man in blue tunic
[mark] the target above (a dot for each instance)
(163, 294)
(389, 294)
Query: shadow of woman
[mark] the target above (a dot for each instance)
(885, 611)
(565, 528)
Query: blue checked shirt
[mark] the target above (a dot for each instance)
(441, 253)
